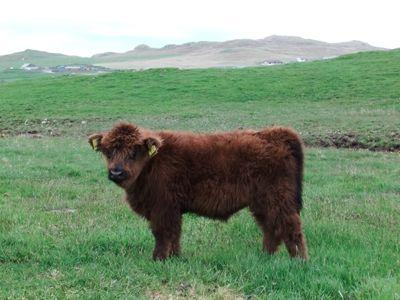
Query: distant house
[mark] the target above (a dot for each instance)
(329, 57)
(271, 62)
(29, 67)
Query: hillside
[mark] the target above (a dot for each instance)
(40, 58)
(234, 53)
(351, 101)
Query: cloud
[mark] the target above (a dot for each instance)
(88, 27)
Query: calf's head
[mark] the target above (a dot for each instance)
(127, 150)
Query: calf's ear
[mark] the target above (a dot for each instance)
(95, 141)
(152, 143)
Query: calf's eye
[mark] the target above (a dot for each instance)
(132, 154)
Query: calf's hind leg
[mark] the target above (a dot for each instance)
(286, 228)
(271, 239)
(279, 220)
(294, 237)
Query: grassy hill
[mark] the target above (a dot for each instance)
(242, 52)
(16, 74)
(40, 58)
(349, 101)
(233, 53)
(65, 231)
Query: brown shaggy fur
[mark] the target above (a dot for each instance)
(212, 175)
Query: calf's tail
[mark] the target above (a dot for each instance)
(297, 152)
(278, 135)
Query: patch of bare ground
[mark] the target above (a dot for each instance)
(349, 140)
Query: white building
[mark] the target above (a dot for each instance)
(300, 59)
(29, 67)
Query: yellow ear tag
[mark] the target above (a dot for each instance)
(94, 144)
(152, 151)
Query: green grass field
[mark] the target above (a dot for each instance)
(12, 75)
(350, 101)
(65, 231)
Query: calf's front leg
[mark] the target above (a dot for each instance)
(162, 248)
(166, 228)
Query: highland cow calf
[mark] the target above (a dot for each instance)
(166, 174)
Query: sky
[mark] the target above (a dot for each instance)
(87, 27)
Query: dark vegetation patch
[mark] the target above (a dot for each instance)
(345, 140)
(354, 141)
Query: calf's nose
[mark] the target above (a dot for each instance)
(118, 170)
(116, 174)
